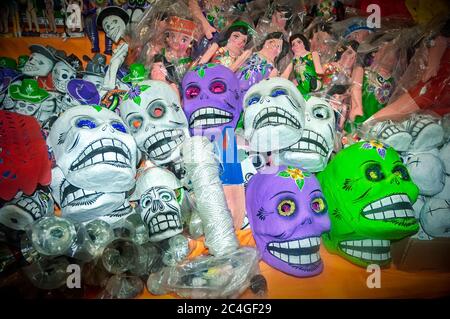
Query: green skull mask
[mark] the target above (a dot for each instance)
(370, 196)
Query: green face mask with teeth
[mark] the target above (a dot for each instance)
(370, 196)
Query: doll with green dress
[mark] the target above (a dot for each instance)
(305, 65)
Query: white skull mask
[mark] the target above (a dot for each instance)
(94, 150)
(62, 74)
(79, 204)
(26, 108)
(435, 217)
(37, 65)
(427, 172)
(316, 145)
(391, 133)
(425, 130)
(274, 115)
(96, 79)
(41, 111)
(8, 103)
(158, 123)
(114, 27)
(159, 194)
(23, 210)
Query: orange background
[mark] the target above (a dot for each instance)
(340, 279)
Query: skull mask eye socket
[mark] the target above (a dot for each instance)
(165, 196)
(119, 126)
(218, 87)
(253, 99)
(277, 92)
(320, 112)
(86, 123)
(145, 201)
(135, 123)
(401, 172)
(319, 205)
(192, 92)
(157, 110)
(374, 173)
(286, 207)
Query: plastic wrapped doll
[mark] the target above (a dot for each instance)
(433, 90)
(49, 14)
(341, 68)
(210, 15)
(263, 63)
(374, 84)
(278, 18)
(74, 9)
(179, 38)
(330, 10)
(305, 65)
(230, 52)
(322, 39)
(162, 70)
(30, 13)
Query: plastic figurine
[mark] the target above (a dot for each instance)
(73, 21)
(263, 63)
(49, 14)
(113, 20)
(30, 13)
(162, 70)
(340, 69)
(230, 52)
(305, 64)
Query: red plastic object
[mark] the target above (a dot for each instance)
(24, 156)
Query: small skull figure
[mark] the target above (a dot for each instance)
(153, 113)
(370, 196)
(316, 145)
(94, 150)
(211, 99)
(24, 209)
(62, 73)
(113, 20)
(160, 195)
(274, 115)
(40, 63)
(288, 213)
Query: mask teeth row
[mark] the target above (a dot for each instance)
(80, 193)
(282, 117)
(367, 243)
(297, 243)
(223, 117)
(308, 146)
(165, 148)
(29, 205)
(393, 213)
(163, 222)
(414, 127)
(297, 260)
(358, 249)
(109, 156)
(210, 110)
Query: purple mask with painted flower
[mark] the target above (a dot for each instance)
(211, 99)
(288, 213)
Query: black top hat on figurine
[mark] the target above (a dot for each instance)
(114, 28)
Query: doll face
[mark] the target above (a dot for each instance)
(114, 27)
(237, 40)
(297, 46)
(279, 19)
(178, 42)
(159, 72)
(274, 46)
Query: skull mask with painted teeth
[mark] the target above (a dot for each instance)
(80, 204)
(154, 116)
(94, 149)
(211, 99)
(160, 195)
(370, 196)
(23, 210)
(61, 75)
(38, 65)
(316, 145)
(274, 115)
(288, 214)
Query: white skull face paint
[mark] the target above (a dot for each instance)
(62, 74)
(158, 123)
(274, 115)
(38, 65)
(96, 79)
(316, 145)
(114, 27)
(23, 210)
(425, 131)
(41, 111)
(8, 103)
(26, 108)
(157, 190)
(427, 172)
(79, 204)
(435, 217)
(93, 149)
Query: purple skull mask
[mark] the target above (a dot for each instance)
(288, 213)
(211, 99)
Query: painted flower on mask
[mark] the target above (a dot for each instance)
(296, 174)
(384, 92)
(380, 147)
(200, 69)
(135, 92)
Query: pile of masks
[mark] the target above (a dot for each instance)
(302, 124)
